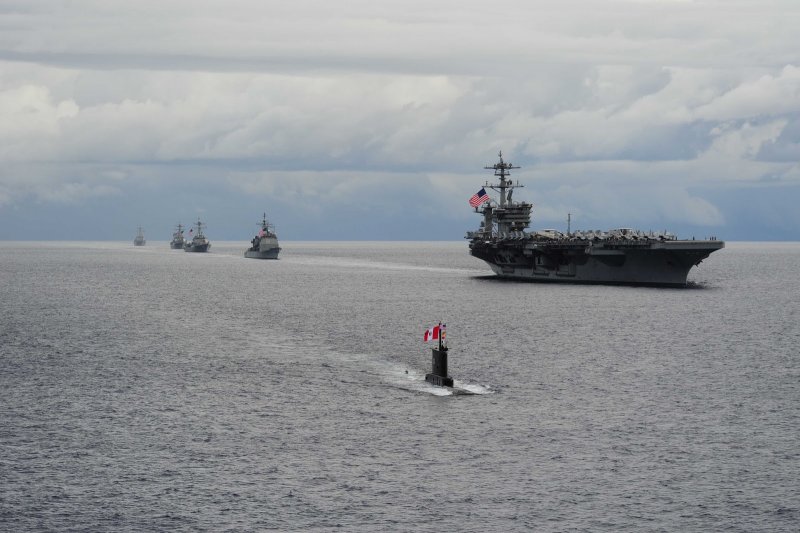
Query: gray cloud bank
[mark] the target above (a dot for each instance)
(658, 114)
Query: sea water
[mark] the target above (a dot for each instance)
(151, 389)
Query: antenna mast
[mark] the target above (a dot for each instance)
(502, 170)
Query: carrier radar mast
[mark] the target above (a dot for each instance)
(502, 170)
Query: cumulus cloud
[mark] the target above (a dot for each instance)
(616, 107)
(31, 118)
(768, 95)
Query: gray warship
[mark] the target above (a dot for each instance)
(265, 243)
(139, 239)
(199, 242)
(177, 241)
(619, 257)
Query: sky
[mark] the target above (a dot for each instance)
(373, 120)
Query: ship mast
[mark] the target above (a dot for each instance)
(509, 216)
(266, 226)
(502, 170)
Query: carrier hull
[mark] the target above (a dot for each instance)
(652, 263)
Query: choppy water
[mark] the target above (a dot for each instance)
(151, 389)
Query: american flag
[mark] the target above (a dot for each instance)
(478, 198)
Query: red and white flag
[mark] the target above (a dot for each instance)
(431, 334)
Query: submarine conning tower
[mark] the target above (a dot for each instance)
(438, 375)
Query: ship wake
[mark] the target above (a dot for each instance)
(413, 380)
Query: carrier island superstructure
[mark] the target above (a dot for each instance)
(621, 256)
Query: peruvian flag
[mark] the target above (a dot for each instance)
(431, 334)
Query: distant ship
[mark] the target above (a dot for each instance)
(177, 241)
(621, 256)
(199, 242)
(139, 240)
(265, 243)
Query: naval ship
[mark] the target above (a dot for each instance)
(177, 241)
(622, 256)
(265, 243)
(199, 242)
(139, 239)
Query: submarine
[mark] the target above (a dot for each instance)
(439, 373)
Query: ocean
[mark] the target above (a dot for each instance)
(148, 389)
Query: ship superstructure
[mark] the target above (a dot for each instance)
(199, 242)
(139, 239)
(177, 241)
(621, 256)
(265, 244)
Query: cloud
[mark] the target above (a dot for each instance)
(623, 108)
(46, 183)
(31, 118)
(786, 147)
(463, 37)
(769, 95)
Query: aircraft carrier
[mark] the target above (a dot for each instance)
(621, 256)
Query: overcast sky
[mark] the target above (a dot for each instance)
(373, 119)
